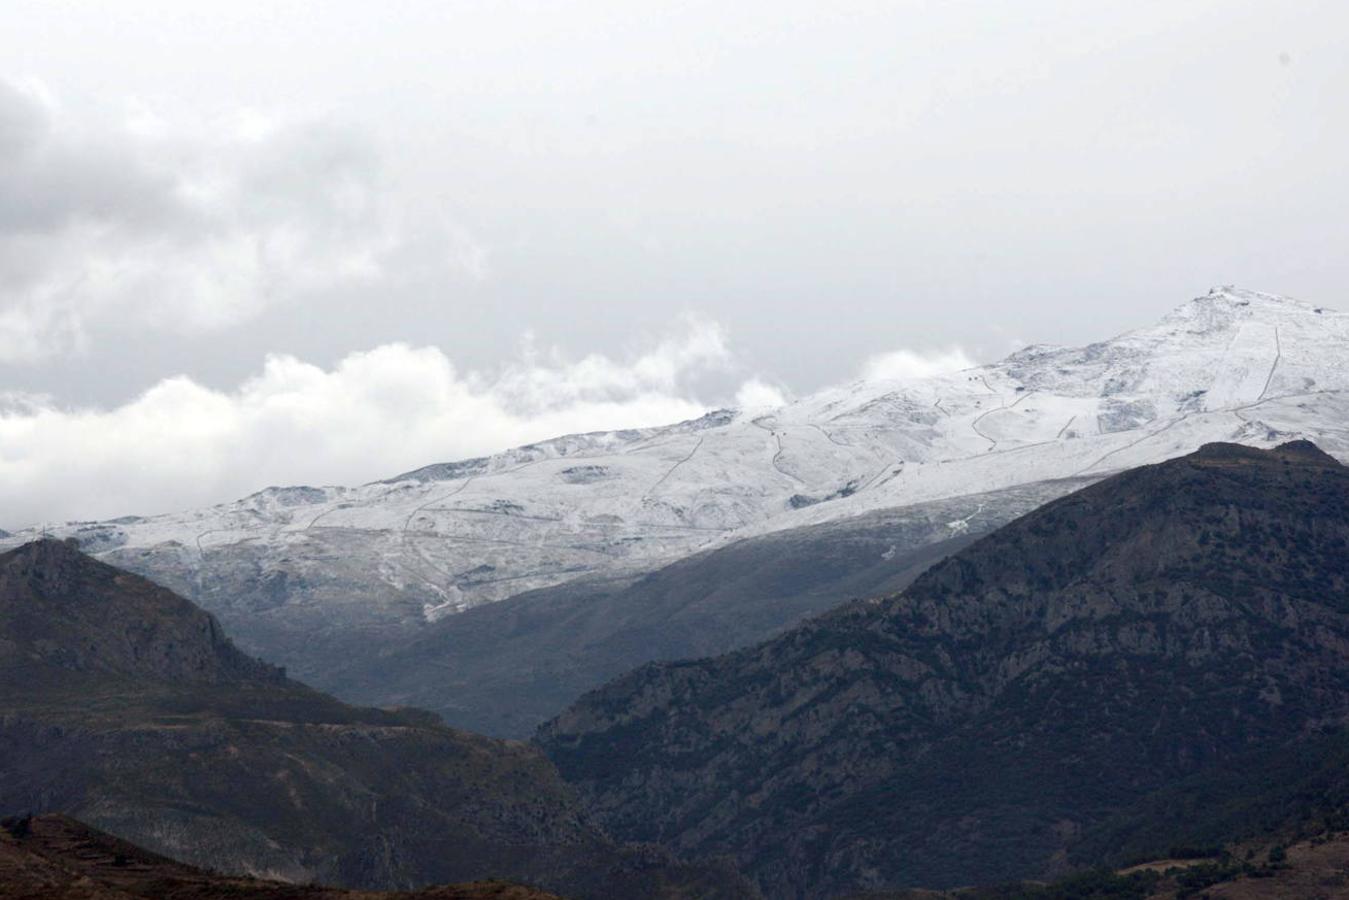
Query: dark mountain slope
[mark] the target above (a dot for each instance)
(1142, 631)
(123, 705)
(506, 667)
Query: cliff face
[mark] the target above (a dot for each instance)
(122, 704)
(1168, 623)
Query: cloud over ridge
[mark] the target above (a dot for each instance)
(903, 364)
(375, 413)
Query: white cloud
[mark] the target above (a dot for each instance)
(374, 414)
(758, 394)
(904, 364)
(127, 220)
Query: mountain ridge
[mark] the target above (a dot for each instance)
(314, 577)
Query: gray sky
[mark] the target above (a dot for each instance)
(575, 215)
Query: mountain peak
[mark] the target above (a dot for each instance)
(1228, 306)
(50, 561)
(1300, 452)
(1223, 452)
(51, 548)
(1237, 296)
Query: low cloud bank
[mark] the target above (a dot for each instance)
(374, 414)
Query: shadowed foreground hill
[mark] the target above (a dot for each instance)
(1161, 654)
(123, 705)
(57, 858)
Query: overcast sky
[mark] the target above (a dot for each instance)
(245, 243)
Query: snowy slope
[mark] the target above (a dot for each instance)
(1233, 365)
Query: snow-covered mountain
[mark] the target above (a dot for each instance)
(382, 558)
